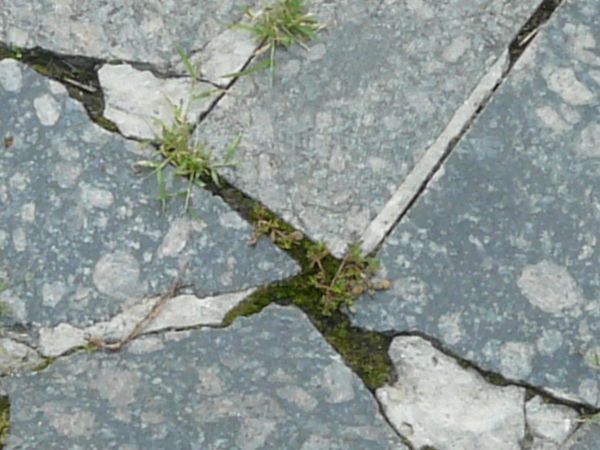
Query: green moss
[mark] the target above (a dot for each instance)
(4, 419)
(364, 351)
(44, 364)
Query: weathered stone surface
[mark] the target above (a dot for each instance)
(586, 438)
(499, 258)
(148, 32)
(82, 235)
(264, 382)
(180, 312)
(549, 424)
(140, 104)
(342, 125)
(437, 403)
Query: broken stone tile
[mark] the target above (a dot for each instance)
(82, 235)
(437, 403)
(328, 141)
(499, 257)
(141, 104)
(183, 311)
(262, 383)
(113, 30)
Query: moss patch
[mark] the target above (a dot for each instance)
(364, 351)
(4, 419)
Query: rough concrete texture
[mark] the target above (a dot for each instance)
(148, 32)
(82, 235)
(141, 104)
(586, 438)
(267, 382)
(341, 125)
(499, 258)
(437, 403)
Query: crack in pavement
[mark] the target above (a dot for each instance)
(379, 228)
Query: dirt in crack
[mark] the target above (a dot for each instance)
(77, 73)
(528, 31)
(365, 352)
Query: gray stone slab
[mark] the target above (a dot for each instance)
(148, 31)
(82, 235)
(499, 258)
(268, 382)
(345, 122)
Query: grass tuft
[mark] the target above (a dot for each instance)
(267, 224)
(281, 25)
(352, 278)
(190, 160)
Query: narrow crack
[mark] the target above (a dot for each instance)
(411, 190)
(387, 420)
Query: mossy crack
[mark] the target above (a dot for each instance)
(77, 73)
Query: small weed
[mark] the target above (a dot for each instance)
(191, 160)
(267, 224)
(282, 24)
(352, 278)
(176, 148)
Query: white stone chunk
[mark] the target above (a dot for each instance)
(183, 311)
(15, 356)
(139, 102)
(60, 339)
(437, 403)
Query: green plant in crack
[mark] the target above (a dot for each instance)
(352, 278)
(177, 147)
(4, 420)
(191, 160)
(280, 233)
(282, 24)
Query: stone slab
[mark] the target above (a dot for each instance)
(146, 32)
(82, 234)
(330, 139)
(499, 257)
(266, 382)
